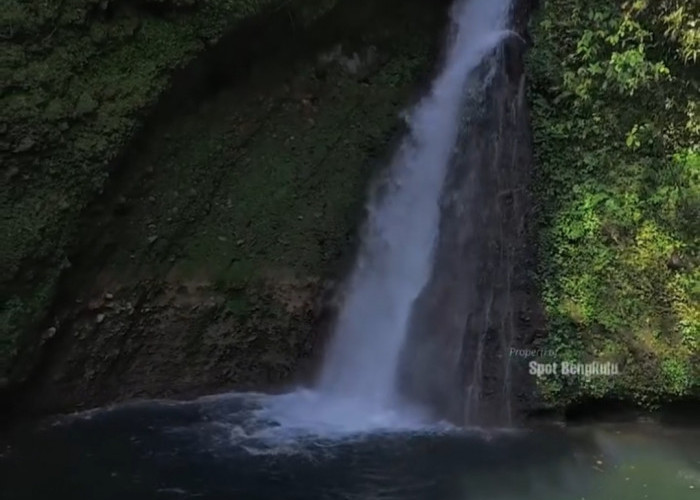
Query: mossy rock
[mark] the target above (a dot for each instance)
(210, 186)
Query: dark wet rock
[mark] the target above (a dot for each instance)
(11, 173)
(265, 320)
(675, 262)
(26, 144)
(481, 300)
(86, 104)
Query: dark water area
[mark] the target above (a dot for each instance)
(232, 448)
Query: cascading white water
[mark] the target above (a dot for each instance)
(395, 262)
(357, 391)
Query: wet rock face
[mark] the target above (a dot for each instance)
(203, 264)
(480, 301)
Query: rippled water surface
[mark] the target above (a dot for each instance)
(263, 447)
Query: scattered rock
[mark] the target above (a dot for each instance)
(50, 332)
(86, 104)
(11, 173)
(109, 296)
(100, 318)
(97, 34)
(109, 93)
(222, 238)
(54, 110)
(152, 239)
(675, 263)
(132, 25)
(25, 145)
(121, 207)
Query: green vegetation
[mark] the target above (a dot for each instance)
(79, 76)
(251, 200)
(617, 140)
(214, 237)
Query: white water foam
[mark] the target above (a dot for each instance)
(269, 425)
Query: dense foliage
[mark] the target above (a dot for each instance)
(617, 129)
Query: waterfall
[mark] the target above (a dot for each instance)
(396, 256)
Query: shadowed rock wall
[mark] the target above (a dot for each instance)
(481, 301)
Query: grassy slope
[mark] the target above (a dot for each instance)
(616, 141)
